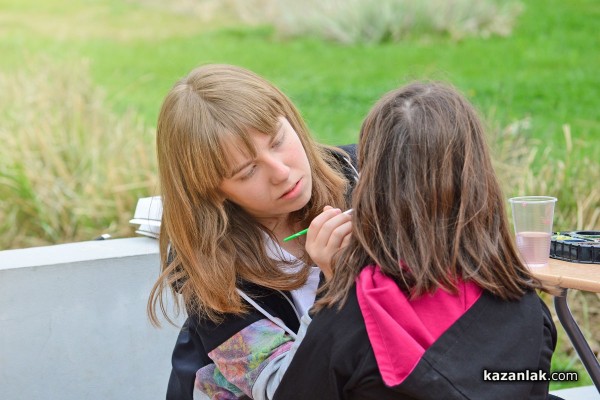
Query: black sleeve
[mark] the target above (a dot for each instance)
(200, 336)
(351, 150)
(188, 357)
(348, 165)
(195, 340)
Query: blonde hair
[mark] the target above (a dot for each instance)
(208, 245)
(428, 208)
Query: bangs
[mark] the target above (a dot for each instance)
(231, 129)
(210, 114)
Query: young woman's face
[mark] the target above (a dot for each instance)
(276, 182)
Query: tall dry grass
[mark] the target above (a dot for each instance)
(358, 21)
(526, 167)
(376, 21)
(70, 169)
(529, 167)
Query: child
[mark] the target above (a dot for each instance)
(430, 296)
(239, 172)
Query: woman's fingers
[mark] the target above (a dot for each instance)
(348, 236)
(326, 227)
(327, 233)
(335, 230)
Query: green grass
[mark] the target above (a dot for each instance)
(546, 73)
(546, 70)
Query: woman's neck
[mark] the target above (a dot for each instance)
(282, 229)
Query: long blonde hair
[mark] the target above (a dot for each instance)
(207, 245)
(428, 208)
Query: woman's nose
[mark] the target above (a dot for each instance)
(279, 170)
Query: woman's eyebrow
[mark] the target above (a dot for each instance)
(239, 168)
(275, 136)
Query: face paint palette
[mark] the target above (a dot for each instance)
(578, 246)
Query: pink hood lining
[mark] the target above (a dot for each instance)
(401, 330)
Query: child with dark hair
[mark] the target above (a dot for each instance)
(430, 296)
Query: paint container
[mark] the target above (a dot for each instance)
(577, 246)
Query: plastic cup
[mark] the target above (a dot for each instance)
(532, 219)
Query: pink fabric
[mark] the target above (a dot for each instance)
(401, 330)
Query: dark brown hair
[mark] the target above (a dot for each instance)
(428, 208)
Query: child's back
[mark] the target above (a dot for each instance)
(434, 301)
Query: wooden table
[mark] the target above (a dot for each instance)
(569, 275)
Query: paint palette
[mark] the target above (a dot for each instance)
(578, 246)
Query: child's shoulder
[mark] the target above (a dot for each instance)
(347, 318)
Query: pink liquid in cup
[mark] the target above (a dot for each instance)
(534, 247)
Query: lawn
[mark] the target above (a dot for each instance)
(546, 70)
(544, 76)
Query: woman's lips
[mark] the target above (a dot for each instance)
(293, 192)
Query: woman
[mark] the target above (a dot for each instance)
(430, 296)
(239, 172)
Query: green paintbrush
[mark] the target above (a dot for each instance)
(303, 232)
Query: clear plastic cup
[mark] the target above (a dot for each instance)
(532, 218)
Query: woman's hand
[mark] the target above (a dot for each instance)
(327, 233)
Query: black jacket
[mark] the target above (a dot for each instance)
(339, 357)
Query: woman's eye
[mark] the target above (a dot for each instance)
(277, 142)
(249, 174)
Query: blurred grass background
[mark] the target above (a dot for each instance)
(81, 83)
